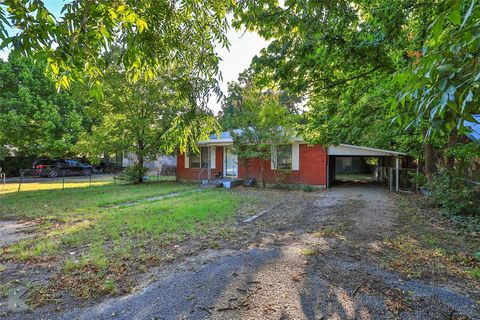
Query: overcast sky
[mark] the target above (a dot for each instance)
(243, 47)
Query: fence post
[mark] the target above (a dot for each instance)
(63, 180)
(416, 178)
(21, 178)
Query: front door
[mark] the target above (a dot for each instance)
(230, 163)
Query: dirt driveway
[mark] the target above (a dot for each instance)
(318, 255)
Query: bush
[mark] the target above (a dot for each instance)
(133, 174)
(290, 187)
(419, 177)
(454, 194)
(308, 188)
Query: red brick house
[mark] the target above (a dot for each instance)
(305, 164)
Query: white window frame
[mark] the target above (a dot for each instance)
(200, 156)
(277, 153)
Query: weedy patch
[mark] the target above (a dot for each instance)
(308, 252)
(427, 246)
(333, 231)
(95, 249)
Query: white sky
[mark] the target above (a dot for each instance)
(243, 47)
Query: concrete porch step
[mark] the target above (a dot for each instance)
(210, 186)
(217, 183)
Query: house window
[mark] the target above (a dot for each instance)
(284, 157)
(199, 160)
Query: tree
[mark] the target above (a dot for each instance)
(341, 56)
(440, 88)
(248, 80)
(34, 118)
(152, 33)
(147, 117)
(153, 36)
(264, 125)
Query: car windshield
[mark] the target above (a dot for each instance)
(73, 162)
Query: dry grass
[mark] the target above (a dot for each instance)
(429, 247)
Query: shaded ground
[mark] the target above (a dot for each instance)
(13, 231)
(325, 255)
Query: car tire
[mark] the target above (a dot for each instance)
(87, 172)
(53, 174)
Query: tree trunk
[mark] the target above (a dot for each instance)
(449, 159)
(430, 161)
(262, 175)
(140, 161)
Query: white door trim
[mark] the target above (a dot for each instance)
(225, 163)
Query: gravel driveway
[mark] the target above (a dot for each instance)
(317, 256)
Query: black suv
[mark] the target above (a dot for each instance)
(57, 167)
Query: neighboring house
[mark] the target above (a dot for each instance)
(474, 135)
(163, 164)
(305, 164)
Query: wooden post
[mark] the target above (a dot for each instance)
(21, 178)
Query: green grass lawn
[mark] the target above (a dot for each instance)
(94, 243)
(72, 182)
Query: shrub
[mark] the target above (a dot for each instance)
(133, 174)
(283, 186)
(419, 177)
(455, 195)
(308, 188)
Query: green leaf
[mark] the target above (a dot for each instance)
(437, 26)
(468, 98)
(442, 84)
(142, 25)
(454, 15)
(446, 67)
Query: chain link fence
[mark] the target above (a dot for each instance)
(29, 180)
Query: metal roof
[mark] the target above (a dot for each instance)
(349, 150)
(226, 138)
(474, 135)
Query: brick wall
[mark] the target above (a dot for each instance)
(192, 174)
(313, 166)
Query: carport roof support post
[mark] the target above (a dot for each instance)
(397, 174)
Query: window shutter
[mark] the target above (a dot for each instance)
(187, 161)
(213, 153)
(295, 156)
(273, 162)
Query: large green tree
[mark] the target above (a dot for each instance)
(151, 33)
(238, 91)
(147, 117)
(262, 124)
(34, 118)
(351, 59)
(340, 56)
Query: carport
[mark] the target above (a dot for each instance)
(387, 167)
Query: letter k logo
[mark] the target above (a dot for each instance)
(15, 302)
